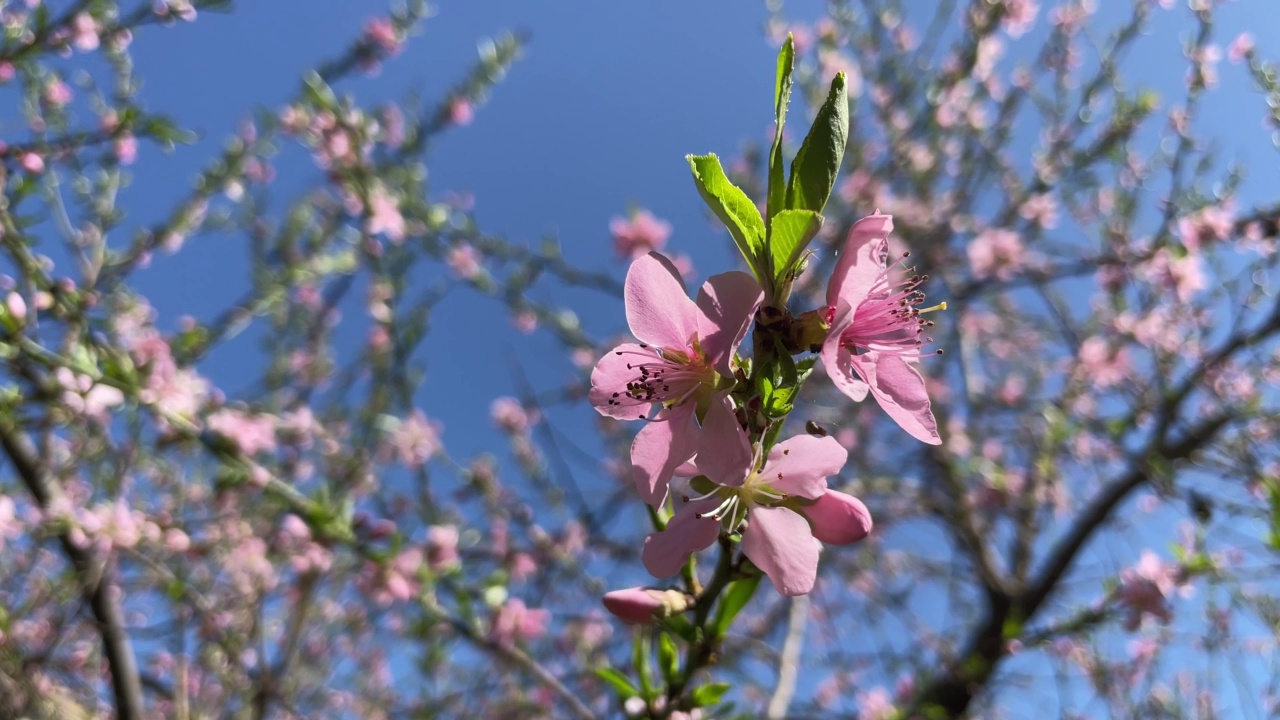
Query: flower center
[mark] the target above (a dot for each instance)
(736, 501)
(665, 375)
(889, 321)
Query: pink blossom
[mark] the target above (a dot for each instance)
(641, 234)
(996, 252)
(57, 93)
(10, 525)
(1184, 275)
(31, 162)
(461, 111)
(16, 307)
(515, 622)
(1041, 209)
(178, 394)
(876, 329)
(526, 321)
(442, 547)
(510, 415)
(645, 606)
(415, 440)
(126, 148)
(382, 33)
(1103, 368)
(1146, 588)
(252, 434)
(876, 704)
(522, 567)
(1019, 16)
(685, 349)
(384, 215)
(782, 497)
(464, 261)
(176, 541)
(85, 397)
(1211, 223)
(1240, 48)
(84, 33)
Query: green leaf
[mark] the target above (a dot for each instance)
(814, 169)
(733, 207)
(668, 657)
(789, 235)
(680, 625)
(619, 682)
(318, 91)
(781, 98)
(710, 694)
(735, 598)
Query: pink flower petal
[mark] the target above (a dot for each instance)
(900, 390)
(861, 260)
(724, 455)
(837, 358)
(667, 551)
(780, 543)
(728, 303)
(804, 463)
(609, 380)
(659, 312)
(659, 448)
(838, 519)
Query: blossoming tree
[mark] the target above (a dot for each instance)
(1051, 489)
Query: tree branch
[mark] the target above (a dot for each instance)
(100, 594)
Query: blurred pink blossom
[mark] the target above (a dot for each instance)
(415, 440)
(442, 547)
(1240, 48)
(463, 260)
(510, 415)
(514, 622)
(31, 162)
(382, 33)
(1102, 367)
(1019, 16)
(252, 434)
(1206, 225)
(384, 215)
(84, 32)
(639, 234)
(996, 252)
(1146, 588)
(58, 93)
(461, 111)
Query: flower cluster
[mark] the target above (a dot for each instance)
(699, 401)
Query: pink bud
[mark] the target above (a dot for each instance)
(838, 519)
(643, 606)
(31, 162)
(17, 306)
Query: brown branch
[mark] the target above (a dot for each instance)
(954, 690)
(98, 592)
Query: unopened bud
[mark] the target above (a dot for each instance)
(645, 606)
(16, 306)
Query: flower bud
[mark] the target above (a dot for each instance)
(838, 519)
(17, 307)
(644, 606)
